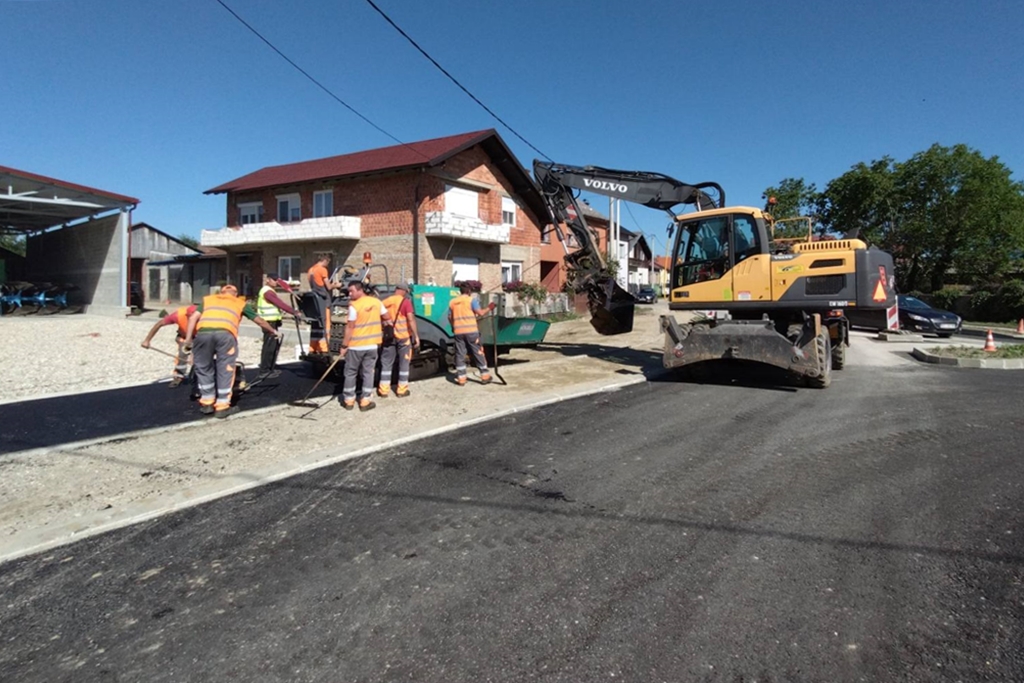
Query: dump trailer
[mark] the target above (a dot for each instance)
(783, 297)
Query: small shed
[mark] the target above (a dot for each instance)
(152, 252)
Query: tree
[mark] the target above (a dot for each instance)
(15, 243)
(189, 240)
(945, 212)
(793, 197)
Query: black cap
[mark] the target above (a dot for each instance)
(272, 276)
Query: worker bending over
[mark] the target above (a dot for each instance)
(320, 286)
(179, 318)
(269, 306)
(215, 350)
(400, 344)
(363, 334)
(462, 313)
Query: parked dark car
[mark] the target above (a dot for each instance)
(136, 299)
(646, 295)
(915, 316)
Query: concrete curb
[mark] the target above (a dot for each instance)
(899, 337)
(978, 363)
(998, 332)
(34, 541)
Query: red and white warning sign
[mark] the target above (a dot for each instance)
(892, 317)
(879, 294)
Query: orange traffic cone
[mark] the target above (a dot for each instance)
(990, 343)
(1020, 327)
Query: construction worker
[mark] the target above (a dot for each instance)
(215, 352)
(179, 318)
(320, 286)
(462, 313)
(400, 344)
(269, 306)
(363, 334)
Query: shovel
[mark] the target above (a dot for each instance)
(305, 402)
(169, 355)
(286, 287)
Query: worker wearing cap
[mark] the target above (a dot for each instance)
(363, 334)
(319, 285)
(269, 306)
(462, 313)
(215, 351)
(400, 344)
(180, 319)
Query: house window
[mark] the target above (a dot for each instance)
(545, 236)
(251, 212)
(323, 203)
(289, 208)
(508, 211)
(462, 202)
(465, 268)
(511, 271)
(288, 268)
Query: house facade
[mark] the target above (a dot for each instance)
(151, 253)
(552, 253)
(435, 211)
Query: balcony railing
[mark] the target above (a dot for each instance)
(330, 227)
(464, 227)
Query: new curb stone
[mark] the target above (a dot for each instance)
(982, 363)
(899, 337)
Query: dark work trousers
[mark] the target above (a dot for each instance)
(214, 356)
(361, 364)
(470, 342)
(271, 347)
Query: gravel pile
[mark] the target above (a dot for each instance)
(55, 354)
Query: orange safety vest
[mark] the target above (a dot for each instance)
(367, 330)
(183, 314)
(221, 312)
(393, 303)
(463, 316)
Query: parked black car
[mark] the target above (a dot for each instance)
(646, 295)
(915, 316)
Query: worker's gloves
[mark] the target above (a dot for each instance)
(187, 347)
(491, 306)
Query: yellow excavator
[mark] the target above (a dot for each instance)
(781, 298)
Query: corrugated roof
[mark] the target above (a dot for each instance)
(411, 155)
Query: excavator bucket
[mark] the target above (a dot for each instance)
(611, 307)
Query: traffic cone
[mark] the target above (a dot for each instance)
(1020, 327)
(990, 343)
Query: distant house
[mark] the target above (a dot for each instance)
(639, 261)
(552, 253)
(150, 251)
(453, 208)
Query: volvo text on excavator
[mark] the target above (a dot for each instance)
(784, 298)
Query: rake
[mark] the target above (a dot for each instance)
(305, 402)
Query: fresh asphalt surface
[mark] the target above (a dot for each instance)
(666, 532)
(49, 422)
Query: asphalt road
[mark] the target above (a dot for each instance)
(668, 532)
(50, 422)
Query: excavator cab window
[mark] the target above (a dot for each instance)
(702, 251)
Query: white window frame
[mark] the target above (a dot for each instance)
(328, 210)
(457, 201)
(514, 270)
(508, 209)
(290, 260)
(294, 204)
(254, 209)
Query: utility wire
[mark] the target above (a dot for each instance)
(454, 80)
(315, 81)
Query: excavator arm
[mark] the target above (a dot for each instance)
(611, 307)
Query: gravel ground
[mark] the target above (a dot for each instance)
(58, 354)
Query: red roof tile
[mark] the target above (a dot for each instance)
(410, 155)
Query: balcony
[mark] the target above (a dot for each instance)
(328, 228)
(441, 223)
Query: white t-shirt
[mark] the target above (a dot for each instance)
(352, 318)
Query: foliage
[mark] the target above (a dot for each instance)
(945, 213)
(528, 291)
(189, 240)
(14, 243)
(946, 297)
(474, 285)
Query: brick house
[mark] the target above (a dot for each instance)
(552, 253)
(453, 208)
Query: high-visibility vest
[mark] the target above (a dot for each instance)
(183, 313)
(463, 316)
(366, 329)
(393, 303)
(221, 312)
(264, 308)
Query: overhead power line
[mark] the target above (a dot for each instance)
(315, 81)
(454, 80)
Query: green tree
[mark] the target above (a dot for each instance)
(793, 197)
(15, 243)
(189, 240)
(945, 212)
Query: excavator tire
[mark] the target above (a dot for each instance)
(823, 344)
(839, 356)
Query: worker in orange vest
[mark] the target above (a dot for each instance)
(320, 286)
(179, 318)
(364, 332)
(462, 313)
(215, 352)
(400, 344)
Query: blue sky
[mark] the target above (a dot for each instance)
(163, 100)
